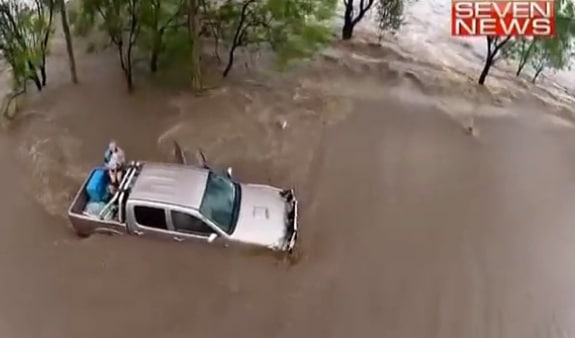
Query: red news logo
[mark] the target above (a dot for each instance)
(502, 18)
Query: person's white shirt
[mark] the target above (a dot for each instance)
(117, 159)
(119, 156)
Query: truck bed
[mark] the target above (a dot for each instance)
(84, 216)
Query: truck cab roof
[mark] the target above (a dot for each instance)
(170, 184)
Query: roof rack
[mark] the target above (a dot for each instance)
(132, 170)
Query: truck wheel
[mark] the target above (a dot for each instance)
(82, 233)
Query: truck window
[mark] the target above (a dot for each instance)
(151, 217)
(221, 202)
(190, 224)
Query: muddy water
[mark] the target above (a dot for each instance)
(413, 229)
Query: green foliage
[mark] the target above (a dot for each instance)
(162, 34)
(521, 50)
(25, 29)
(549, 54)
(293, 29)
(159, 20)
(389, 15)
(110, 16)
(545, 53)
(121, 21)
(176, 49)
(296, 29)
(81, 22)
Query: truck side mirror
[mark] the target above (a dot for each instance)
(212, 237)
(229, 172)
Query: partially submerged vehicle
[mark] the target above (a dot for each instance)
(185, 202)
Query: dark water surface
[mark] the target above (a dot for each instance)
(413, 229)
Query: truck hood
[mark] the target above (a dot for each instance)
(262, 216)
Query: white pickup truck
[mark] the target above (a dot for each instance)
(184, 203)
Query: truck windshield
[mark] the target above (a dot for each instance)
(220, 202)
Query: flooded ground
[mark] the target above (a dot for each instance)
(414, 229)
(410, 227)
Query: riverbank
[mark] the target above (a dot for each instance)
(64, 129)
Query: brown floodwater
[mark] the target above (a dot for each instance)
(411, 228)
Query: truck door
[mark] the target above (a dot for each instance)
(189, 227)
(150, 220)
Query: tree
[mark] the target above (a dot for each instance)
(13, 46)
(389, 15)
(121, 20)
(195, 43)
(539, 62)
(555, 53)
(542, 53)
(162, 29)
(522, 50)
(505, 52)
(550, 53)
(212, 26)
(40, 26)
(494, 45)
(159, 17)
(25, 30)
(352, 16)
(69, 44)
(245, 19)
(294, 29)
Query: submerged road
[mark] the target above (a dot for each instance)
(413, 229)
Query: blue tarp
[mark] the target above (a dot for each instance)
(96, 187)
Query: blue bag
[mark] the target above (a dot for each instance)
(97, 184)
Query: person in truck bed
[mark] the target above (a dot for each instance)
(114, 159)
(116, 152)
(114, 176)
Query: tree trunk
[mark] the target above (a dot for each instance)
(230, 61)
(537, 73)
(129, 73)
(37, 82)
(154, 61)
(239, 35)
(126, 64)
(217, 47)
(193, 27)
(69, 46)
(494, 45)
(156, 50)
(486, 68)
(127, 68)
(347, 30)
(43, 75)
(525, 57)
(520, 68)
(44, 44)
(34, 76)
(129, 80)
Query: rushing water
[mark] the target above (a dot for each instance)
(410, 228)
(415, 230)
(427, 32)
